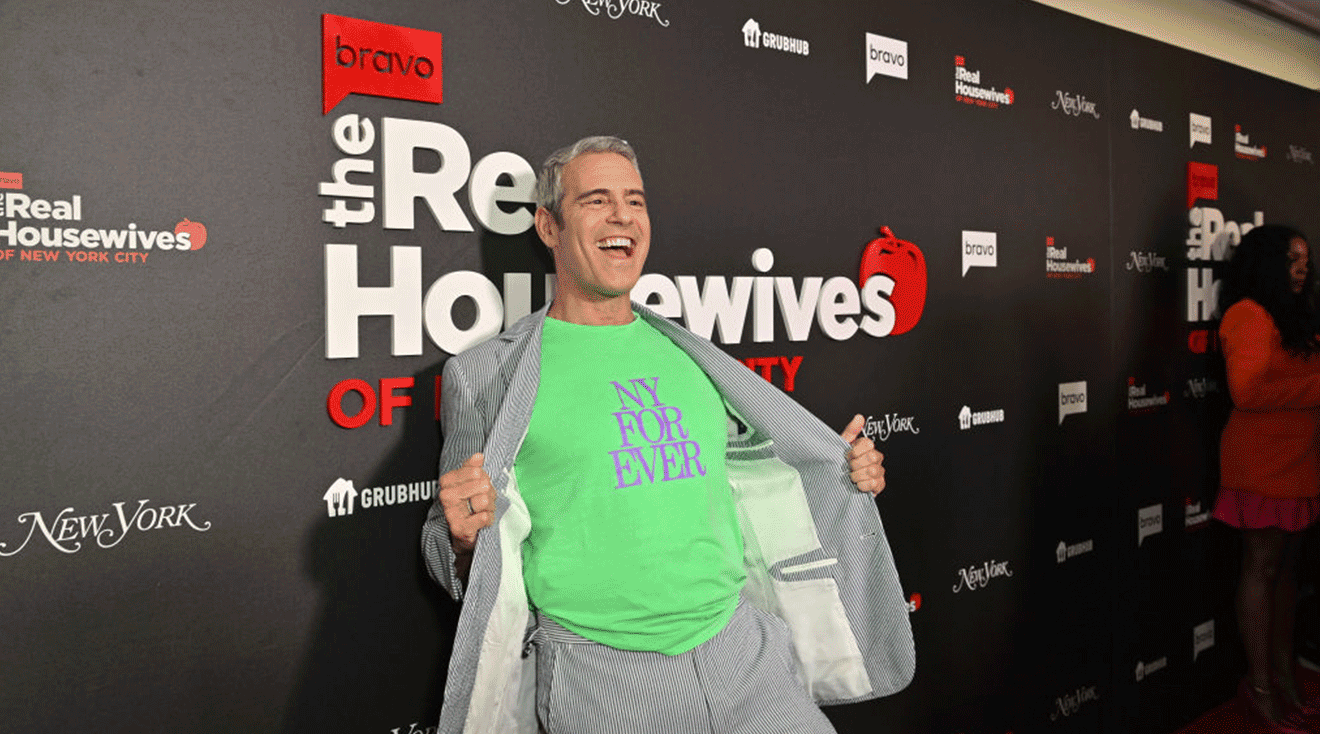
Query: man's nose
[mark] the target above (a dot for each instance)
(619, 212)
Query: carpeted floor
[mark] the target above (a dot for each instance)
(1231, 716)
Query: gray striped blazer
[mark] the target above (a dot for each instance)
(814, 546)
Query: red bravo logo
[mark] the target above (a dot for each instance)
(363, 57)
(903, 263)
(1202, 182)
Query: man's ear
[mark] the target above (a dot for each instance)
(547, 227)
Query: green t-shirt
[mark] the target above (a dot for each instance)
(635, 541)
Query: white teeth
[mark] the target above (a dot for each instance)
(614, 242)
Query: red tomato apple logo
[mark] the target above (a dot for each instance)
(903, 262)
(196, 232)
(914, 602)
(1009, 92)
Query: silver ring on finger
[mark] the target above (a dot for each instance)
(471, 510)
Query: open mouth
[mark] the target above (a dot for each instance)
(617, 246)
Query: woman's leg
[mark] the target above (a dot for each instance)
(1262, 550)
(1284, 612)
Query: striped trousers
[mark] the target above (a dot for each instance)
(741, 681)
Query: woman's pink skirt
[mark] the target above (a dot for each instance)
(1249, 510)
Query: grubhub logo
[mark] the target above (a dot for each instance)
(1072, 399)
(343, 499)
(1144, 669)
(382, 60)
(1243, 148)
(979, 250)
(1064, 551)
(887, 56)
(1144, 123)
(754, 37)
(967, 87)
(1200, 129)
(967, 418)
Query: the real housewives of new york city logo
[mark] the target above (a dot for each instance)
(968, 90)
(364, 57)
(42, 230)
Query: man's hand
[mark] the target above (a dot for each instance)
(865, 464)
(468, 499)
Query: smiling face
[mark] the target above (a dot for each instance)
(1299, 264)
(601, 241)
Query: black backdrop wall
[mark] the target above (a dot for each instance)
(218, 455)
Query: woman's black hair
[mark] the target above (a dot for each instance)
(1259, 271)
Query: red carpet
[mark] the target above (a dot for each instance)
(1231, 717)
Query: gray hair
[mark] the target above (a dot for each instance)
(549, 190)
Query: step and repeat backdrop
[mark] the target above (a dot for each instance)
(238, 241)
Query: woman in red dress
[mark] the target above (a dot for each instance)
(1270, 454)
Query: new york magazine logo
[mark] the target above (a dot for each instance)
(1146, 262)
(378, 59)
(343, 499)
(754, 37)
(967, 87)
(1072, 701)
(886, 56)
(978, 576)
(1243, 148)
(1144, 123)
(1200, 129)
(51, 230)
(1074, 105)
(68, 532)
(615, 9)
(1072, 399)
(880, 429)
(979, 250)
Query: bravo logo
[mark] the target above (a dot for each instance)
(1072, 399)
(979, 250)
(362, 57)
(887, 56)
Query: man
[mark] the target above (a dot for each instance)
(663, 509)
